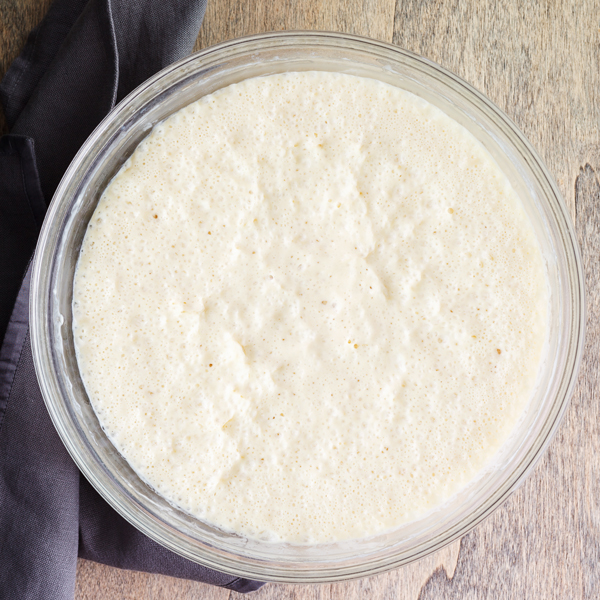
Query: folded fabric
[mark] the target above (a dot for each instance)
(83, 58)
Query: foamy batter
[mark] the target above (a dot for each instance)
(310, 307)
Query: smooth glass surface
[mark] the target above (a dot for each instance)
(113, 142)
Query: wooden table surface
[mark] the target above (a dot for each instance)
(539, 60)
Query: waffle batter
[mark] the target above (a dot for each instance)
(309, 308)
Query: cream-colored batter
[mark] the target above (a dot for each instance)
(309, 308)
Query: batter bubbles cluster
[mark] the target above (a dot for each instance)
(309, 308)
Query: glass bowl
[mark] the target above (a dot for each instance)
(100, 158)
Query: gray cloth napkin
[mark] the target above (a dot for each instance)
(83, 58)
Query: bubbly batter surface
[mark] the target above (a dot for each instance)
(310, 307)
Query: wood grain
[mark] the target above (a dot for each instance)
(17, 19)
(539, 60)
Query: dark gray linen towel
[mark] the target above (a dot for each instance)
(83, 58)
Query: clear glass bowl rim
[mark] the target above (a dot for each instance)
(237, 565)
